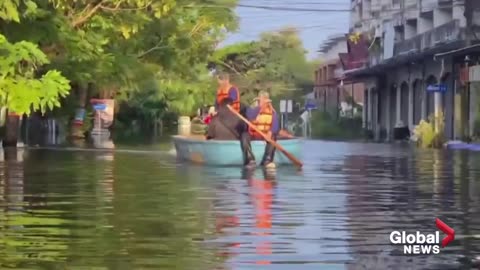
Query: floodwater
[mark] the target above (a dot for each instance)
(139, 209)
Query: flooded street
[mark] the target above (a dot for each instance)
(67, 209)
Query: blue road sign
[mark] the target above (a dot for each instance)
(100, 107)
(441, 87)
(310, 105)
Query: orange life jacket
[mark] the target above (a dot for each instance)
(264, 120)
(222, 93)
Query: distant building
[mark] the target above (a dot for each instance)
(332, 92)
(395, 59)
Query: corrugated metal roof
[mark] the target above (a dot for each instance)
(331, 40)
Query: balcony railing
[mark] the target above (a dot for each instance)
(441, 34)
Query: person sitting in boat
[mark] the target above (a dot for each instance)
(209, 115)
(227, 90)
(225, 125)
(265, 119)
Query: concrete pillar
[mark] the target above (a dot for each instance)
(370, 108)
(457, 114)
(438, 98)
(377, 100)
(410, 107)
(457, 13)
(388, 111)
(474, 88)
(365, 109)
(424, 99)
(398, 107)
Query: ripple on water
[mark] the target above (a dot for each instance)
(132, 210)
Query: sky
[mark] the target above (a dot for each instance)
(315, 25)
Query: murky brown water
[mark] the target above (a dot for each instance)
(67, 209)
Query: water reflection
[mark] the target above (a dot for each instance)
(29, 234)
(408, 193)
(121, 210)
(261, 193)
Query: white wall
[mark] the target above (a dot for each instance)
(441, 16)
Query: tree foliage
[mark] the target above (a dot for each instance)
(152, 54)
(21, 86)
(276, 63)
(120, 44)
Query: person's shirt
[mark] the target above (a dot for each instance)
(252, 113)
(232, 94)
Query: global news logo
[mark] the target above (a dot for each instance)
(419, 243)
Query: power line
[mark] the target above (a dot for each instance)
(301, 28)
(305, 3)
(212, 3)
(279, 8)
(268, 16)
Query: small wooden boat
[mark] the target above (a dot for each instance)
(198, 150)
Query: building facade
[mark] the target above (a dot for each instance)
(404, 81)
(332, 92)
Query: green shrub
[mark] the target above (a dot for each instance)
(326, 127)
(425, 132)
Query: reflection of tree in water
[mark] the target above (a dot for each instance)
(30, 234)
(95, 237)
(395, 193)
(159, 216)
(72, 218)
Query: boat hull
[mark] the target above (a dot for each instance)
(228, 153)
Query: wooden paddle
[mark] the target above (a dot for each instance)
(293, 159)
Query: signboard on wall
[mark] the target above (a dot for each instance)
(439, 87)
(289, 106)
(310, 105)
(283, 106)
(474, 74)
(104, 112)
(79, 116)
(286, 106)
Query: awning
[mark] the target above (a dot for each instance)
(400, 60)
(458, 52)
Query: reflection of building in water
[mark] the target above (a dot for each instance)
(102, 142)
(12, 191)
(383, 196)
(108, 178)
(13, 180)
(32, 233)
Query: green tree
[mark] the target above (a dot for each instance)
(116, 46)
(22, 84)
(276, 63)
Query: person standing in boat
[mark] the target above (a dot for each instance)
(265, 119)
(227, 90)
(225, 125)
